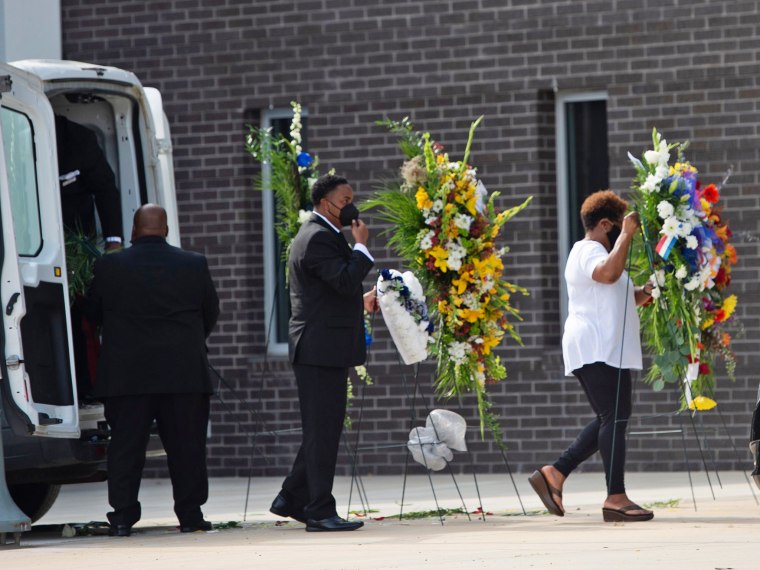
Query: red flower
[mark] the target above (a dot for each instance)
(721, 279)
(720, 315)
(711, 194)
(704, 368)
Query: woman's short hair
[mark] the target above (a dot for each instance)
(324, 185)
(600, 205)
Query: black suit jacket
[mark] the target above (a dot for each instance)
(157, 305)
(78, 149)
(327, 309)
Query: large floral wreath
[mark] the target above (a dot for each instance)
(688, 256)
(444, 225)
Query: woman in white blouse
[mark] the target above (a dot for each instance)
(600, 347)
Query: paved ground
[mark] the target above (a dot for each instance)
(721, 533)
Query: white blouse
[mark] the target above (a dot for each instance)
(594, 325)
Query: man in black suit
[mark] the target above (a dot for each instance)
(326, 337)
(86, 181)
(157, 304)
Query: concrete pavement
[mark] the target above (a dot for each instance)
(721, 533)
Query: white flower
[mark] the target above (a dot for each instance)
(438, 205)
(430, 220)
(671, 226)
(681, 272)
(413, 284)
(659, 156)
(684, 229)
(458, 351)
(651, 183)
(463, 221)
(656, 293)
(691, 242)
(662, 171)
(659, 277)
(665, 209)
(693, 283)
(480, 197)
(303, 216)
(426, 239)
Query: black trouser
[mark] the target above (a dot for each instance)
(322, 399)
(600, 382)
(182, 422)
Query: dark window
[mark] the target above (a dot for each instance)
(587, 158)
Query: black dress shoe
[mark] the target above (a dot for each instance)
(202, 526)
(332, 524)
(120, 530)
(282, 508)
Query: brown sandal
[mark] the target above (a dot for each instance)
(621, 514)
(545, 491)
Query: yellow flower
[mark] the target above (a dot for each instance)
(440, 255)
(471, 315)
(729, 305)
(490, 342)
(707, 323)
(423, 200)
(461, 282)
(702, 403)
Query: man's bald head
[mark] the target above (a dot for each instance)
(149, 220)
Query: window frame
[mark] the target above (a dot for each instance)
(269, 238)
(563, 197)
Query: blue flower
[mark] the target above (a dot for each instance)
(385, 274)
(304, 159)
(430, 328)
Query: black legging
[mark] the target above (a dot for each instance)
(600, 382)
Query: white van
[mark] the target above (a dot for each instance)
(48, 438)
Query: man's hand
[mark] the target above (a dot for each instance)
(360, 231)
(370, 301)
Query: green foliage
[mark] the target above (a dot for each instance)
(81, 255)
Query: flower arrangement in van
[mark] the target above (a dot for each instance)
(445, 226)
(687, 327)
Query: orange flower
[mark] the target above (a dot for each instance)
(720, 315)
(731, 254)
(725, 340)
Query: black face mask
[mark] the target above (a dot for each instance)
(613, 235)
(348, 214)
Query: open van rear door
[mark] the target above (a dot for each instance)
(164, 164)
(38, 387)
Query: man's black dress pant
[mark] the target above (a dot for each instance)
(322, 399)
(182, 421)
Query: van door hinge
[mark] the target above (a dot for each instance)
(5, 83)
(13, 361)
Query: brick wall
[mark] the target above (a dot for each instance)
(688, 67)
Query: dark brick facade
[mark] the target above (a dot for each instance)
(688, 67)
